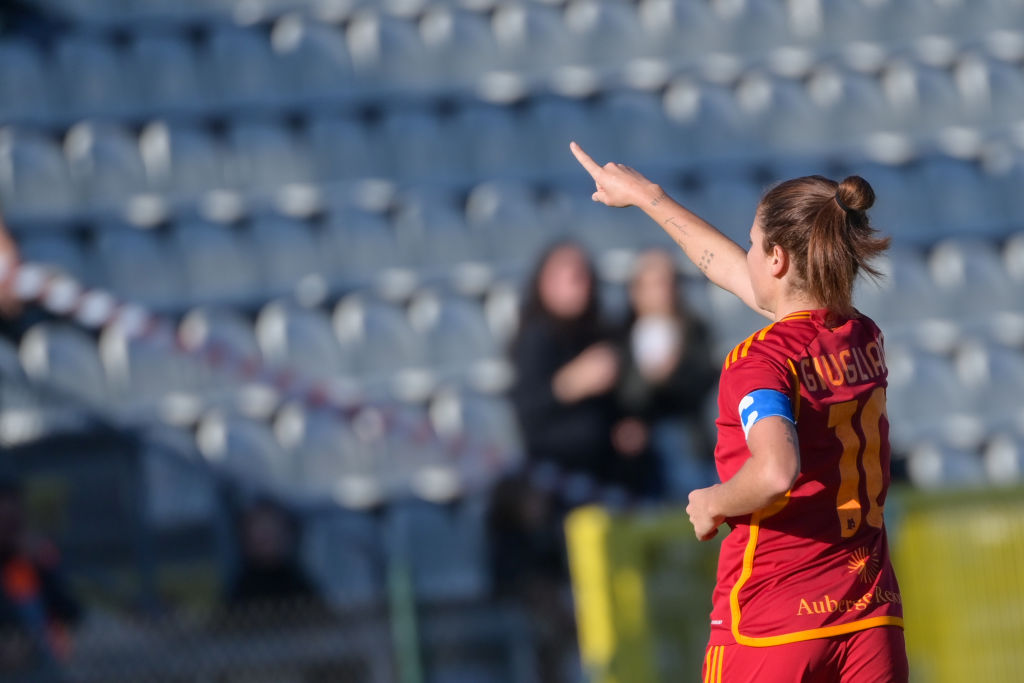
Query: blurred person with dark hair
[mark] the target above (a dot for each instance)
(36, 610)
(565, 365)
(666, 374)
(269, 571)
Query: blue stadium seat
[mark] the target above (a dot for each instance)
(24, 85)
(922, 99)
(602, 33)
(314, 57)
(707, 121)
(991, 376)
(64, 358)
(235, 340)
(731, 321)
(488, 425)
(140, 267)
(301, 338)
(679, 29)
(510, 223)
(455, 335)
(60, 251)
(964, 199)
(183, 161)
(91, 77)
(432, 226)
(726, 201)
(781, 114)
(266, 155)
(359, 248)
(416, 147)
(851, 105)
(501, 309)
(387, 49)
(219, 267)
(240, 68)
(106, 163)
(492, 138)
(35, 180)
(343, 148)
(932, 466)
(635, 124)
(246, 450)
(903, 206)
(753, 26)
(530, 36)
(971, 286)
(551, 123)
(343, 552)
(287, 253)
(379, 338)
(926, 401)
(459, 43)
(1004, 459)
(166, 73)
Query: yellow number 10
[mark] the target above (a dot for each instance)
(841, 417)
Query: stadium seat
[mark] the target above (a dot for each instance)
(432, 226)
(493, 140)
(488, 427)
(509, 222)
(287, 253)
(106, 163)
(679, 29)
(530, 36)
(24, 86)
(416, 147)
(851, 105)
(62, 252)
(973, 290)
(958, 190)
(219, 267)
(65, 359)
(727, 201)
(231, 341)
(1004, 459)
(992, 90)
(302, 339)
(378, 336)
(932, 466)
(343, 552)
(140, 267)
(501, 309)
(551, 123)
(455, 335)
(92, 80)
(343, 148)
(706, 121)
(34, 176)
(314, 57)
(182, 161)
(360, 248)
(602, 33)
(166, 73)
(922, 99)
(753, 26)
(780, 112)
(246, 450)
(444, 546)
(387, 49)
(266, 155)
(240, 68)
(992, 376)
(459, 43)
(635, 124)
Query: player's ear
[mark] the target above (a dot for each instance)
(779, 261)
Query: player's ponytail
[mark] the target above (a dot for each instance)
(824, 227)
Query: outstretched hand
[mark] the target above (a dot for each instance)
(617, 185)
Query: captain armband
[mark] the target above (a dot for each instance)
(762, 403)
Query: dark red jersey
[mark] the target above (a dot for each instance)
(815, 564)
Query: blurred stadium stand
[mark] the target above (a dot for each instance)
(352, 191)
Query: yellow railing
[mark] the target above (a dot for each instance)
(643, 588)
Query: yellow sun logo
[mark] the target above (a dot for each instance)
(862, 563)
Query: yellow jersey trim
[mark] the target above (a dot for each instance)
(796, 636)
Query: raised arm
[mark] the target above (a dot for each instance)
(718, 257)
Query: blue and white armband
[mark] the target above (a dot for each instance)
(762, 403)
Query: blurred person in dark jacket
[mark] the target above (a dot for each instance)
(270, 571)
(666, 374)
(565, 365)
(37, 611)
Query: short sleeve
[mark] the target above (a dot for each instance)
(750, 374)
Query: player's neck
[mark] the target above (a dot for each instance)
(794, 304)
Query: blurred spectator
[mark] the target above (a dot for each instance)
(270, 571)
(9, 305)
(667, 371)
(565, 365)
(36, 610)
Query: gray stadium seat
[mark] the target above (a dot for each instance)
(992, 376)
(266, 155)
(781, 114)
(923, 99)
(964, 198)
(140, 267)
(181, 160)
(432, 226)
(343, 147)
(635, 124)
(233, 337)
(166, 73)
(455, 334)
(244, 449)
(219, 267)
(378, 336)
(971, 287)
(359, 248)
(706, 120)
(60, 251)
(91, 76)
(105, 162)
(34, 176)
(416, 147)
(501, 309)
(488, 425)
(459, 43)
(602, 33)
(301, 338)
(1004, 459)
(240, 68)
(510, 223)
(851, 105)
(287, 253)
(314, 57)
(65, 359)
(679, 29)
(493, 138)
(753, 26)
(343, 552)
(992, 90)
(24, 86)
(387, 49)
(551, 123)
(932, 466)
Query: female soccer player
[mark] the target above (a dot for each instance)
(805, 590)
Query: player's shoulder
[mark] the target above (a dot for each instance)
(775, 343)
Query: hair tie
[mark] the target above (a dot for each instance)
(842, 206)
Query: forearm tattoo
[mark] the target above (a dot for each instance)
(705, 260)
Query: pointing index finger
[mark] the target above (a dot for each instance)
(589, 164)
